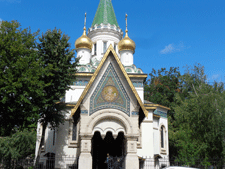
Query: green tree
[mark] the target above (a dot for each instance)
(162, 86)
(17, 146)
(58, 74)
(19, 78)
(198, 128)
(196, 119)
(34, 77)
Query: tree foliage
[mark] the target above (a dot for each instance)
(34, 77)
(19, 78)
(198, 128)
(58, 74)
(197, 118)
(162, 86)
(18, 146)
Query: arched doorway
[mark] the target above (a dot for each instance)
(115, 147)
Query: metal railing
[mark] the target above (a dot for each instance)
(70, 162)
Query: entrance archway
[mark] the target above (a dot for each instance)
(101, 147)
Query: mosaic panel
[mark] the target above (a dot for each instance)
(135, 113)
(80, 83)
(160, 113)
(84, 112)
(110, 93)
(137, 84)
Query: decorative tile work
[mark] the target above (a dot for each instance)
(84, 112)
(137, 84)
(133, 69)
(128, 70)
(110, 93)
(82, 69)
(135, 113)
(80, 83)
(105, 14)
(160, 113)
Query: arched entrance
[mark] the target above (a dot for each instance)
(115, 147)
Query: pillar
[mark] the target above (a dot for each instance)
(85, 159)
(131, 160)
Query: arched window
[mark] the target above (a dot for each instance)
(74, 131)
(162, 137)
(104, 47)
(95, 48)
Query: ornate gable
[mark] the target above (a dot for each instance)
(110, 93)
(121, 67)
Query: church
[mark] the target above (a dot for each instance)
(109, 122)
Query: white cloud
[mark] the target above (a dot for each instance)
(215, 77)
(171, 48)
(168, 49)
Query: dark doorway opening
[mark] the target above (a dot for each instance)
(108, 145)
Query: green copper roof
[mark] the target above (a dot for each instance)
(105, 14)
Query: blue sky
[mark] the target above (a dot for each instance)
(167, 33)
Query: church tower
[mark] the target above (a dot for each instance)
(104, 32)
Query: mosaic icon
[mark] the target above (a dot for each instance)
(110, 93)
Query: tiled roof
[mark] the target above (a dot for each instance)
(105, 14)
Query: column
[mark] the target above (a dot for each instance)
(85, 159)
(131, 160)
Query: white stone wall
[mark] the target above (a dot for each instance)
(84, 55)
(104, 35)
(140, 91)
(164, 122)
(74, 94)
(147, 149)
(127, 57)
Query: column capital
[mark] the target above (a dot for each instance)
(131, 137)
(86, 136)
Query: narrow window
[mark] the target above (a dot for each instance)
(162, 138)
(54, 137)
(115, 47)
(76, 119)
(95, 48)
(104, 46)
(74, 136)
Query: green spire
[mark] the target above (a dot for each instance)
(105, 14)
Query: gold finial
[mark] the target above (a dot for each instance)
(84, 33)
(126, 24)
(84, 41)
(85, 19)
(126, 43)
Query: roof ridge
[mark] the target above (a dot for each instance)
(105, 14)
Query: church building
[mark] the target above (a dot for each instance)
(109, 122)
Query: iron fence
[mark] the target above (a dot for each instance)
(69, 162)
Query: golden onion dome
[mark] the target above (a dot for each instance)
(84, 41)
(126, 44)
